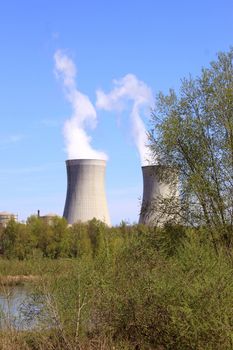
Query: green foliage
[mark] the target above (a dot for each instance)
(154, 288)
(16, 241)
(193, 132)
(80, 243)
(174, 302)
(37, 238)
(170, 238)
(96, 234)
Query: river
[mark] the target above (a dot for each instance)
(18, 308)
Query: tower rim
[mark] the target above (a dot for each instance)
(86, 161)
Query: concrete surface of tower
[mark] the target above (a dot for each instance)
(86, 197)
(159, 183)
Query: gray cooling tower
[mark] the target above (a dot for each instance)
(160, 188)
(86, 198)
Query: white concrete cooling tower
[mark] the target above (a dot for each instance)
(86, 198)
(160, 188)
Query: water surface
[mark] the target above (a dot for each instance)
(19, 308)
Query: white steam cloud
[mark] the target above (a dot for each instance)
(77, 141)
(129, 88)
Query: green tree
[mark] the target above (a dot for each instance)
(8, 238)
(17, 241)
(80, 243)
(59, 245)
(193, 131)
(98, 237)
(42, 234)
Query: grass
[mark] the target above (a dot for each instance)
(149, 293)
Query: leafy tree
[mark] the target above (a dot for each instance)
(24, 243)
(41, 233)
(99, 239)
(59, 245)
(80, 243)
(16, 240)
(9, 238)
(193, 132)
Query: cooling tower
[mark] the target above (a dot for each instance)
(86, 198)
(160, 195)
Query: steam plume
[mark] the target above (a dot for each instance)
(129, 88)
(77, 141)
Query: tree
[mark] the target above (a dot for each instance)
(98, 237)
(193, 131)
(80, 243)
(42, 235)
(59, 246)
(16, 240)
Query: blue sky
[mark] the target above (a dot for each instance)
(158, 41)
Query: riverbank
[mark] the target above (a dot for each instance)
(18, 280)
(138, 288)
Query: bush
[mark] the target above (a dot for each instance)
(135, 287)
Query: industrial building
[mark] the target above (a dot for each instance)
(160, 195)
(47, 218)
(86, 197)
(5, 217)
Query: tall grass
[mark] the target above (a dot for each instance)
(139, 288)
